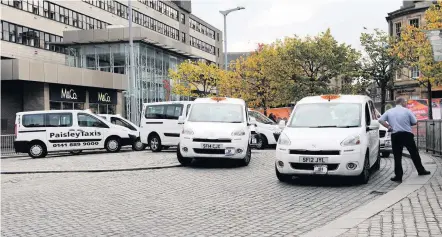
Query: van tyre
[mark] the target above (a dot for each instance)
(138, 145)
(246, 160)
(262, 142)
(113, 144)
(155, 143)
(76, 152)
(282, 177)
(385, 154)
(37, 150)
(183, 160)
(365, 174)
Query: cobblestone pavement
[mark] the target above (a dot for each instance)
(419, 214)
(90, 161)
(208, 199)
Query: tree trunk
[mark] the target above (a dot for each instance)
(264, 105)
(430, 101)
(383, 95)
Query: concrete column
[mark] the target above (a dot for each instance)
(47, 104)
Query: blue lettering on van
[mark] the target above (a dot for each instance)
(74, 134)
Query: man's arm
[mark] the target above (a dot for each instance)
(413, 120)
(383, 120)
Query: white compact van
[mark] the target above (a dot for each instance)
(131, 128)
(159, 127)
(268, 131)
(216, 127)
(330, 135)
(40, 132)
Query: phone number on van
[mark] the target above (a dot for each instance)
(75, 144)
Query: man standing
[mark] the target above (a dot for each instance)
(399, 120)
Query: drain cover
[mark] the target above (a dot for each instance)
(377, 192)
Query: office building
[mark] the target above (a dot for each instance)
(75, 54)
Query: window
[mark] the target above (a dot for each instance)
(183, 18)
(414, 22)
(183, 37)
(260, 117)
(155, 112)
(34, 120)
(188, 109)
(86, 120)
(202, 45)
(223, 113)
(373, 111)
(398, 28)
(367, 115)
(121, 122)
(415, 72)
(174, 111)
(59, 120)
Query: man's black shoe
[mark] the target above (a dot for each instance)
(396, 179)
(425, 173)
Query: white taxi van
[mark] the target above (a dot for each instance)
(159, 127)
(329, 135)
(131, 128)
(40, 132)
(216, 127)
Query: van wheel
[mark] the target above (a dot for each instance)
(183, 161)
(37, 150)
(246, 160)
(113, 144)
(282, 177)
(138, 145)
(365, 174)
(262, 142)
(76, 152)
(155, 143)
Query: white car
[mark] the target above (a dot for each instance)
(40, 132)
(216, 127)
(268, 131)
(329, 135)
(385, 141)
(131, 128)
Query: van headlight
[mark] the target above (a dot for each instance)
(351, 141)
(239, 133)
(284, 140)
(187, 131)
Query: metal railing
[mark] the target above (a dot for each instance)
(7, 145)
(428, 134)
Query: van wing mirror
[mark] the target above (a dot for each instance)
(282, 124)
(181, 120)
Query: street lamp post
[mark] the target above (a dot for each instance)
(132, 84)
(225, 13)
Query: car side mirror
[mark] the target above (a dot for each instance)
(181, 120)
(282, 124)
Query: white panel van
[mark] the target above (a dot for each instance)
(159, 123)
(40, 132)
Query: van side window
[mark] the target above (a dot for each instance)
(373, 111)
(120, 122)
(86, 120)
(187, 110)
(367, 115)
(155, 112)
(34, 120)
(59, 120)
(174, 111)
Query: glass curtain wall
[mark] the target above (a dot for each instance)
(151, 67)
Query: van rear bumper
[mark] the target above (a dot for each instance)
(21, 146)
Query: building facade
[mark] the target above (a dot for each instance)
(406, 80)
(75, 54)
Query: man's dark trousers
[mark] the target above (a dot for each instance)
(400, 140)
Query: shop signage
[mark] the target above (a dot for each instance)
(66, 93)
(102, 96)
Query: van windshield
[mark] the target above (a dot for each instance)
(326, 115)
(219, 113)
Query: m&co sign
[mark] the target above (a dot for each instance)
(67, 93)
(102, 96)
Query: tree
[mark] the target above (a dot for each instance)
(311, 63)
(196, 79)
(415, 50)
(253, 79)
(380, 65)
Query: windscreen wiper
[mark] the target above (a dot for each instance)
(330, 126)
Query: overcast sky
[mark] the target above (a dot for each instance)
(267, 20)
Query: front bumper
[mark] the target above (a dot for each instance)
(129, 141)
(196, 150)
(336, 164)
(386, 146)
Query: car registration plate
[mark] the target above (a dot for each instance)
(311, 159)
(320, 169)
(212, 146)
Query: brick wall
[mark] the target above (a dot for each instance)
(11, 102)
